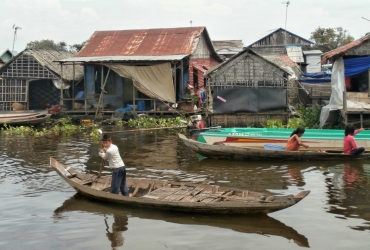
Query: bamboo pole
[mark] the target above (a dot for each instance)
(102, 92)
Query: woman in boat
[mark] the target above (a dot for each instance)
(350, 146)
(295, 142)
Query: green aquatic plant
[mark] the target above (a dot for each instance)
(150, 122)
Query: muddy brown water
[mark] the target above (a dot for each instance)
(40, 211)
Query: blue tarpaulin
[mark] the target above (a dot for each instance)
(317, 75)
(315, 80)
(354, 66)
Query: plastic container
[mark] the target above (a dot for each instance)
(273, 147)
(140, 105)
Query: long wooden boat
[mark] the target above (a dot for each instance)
(228, 152)
(262, 225)
(258, 137)
(27, 117)
(177, 196)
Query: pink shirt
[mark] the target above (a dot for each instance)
(349, 143)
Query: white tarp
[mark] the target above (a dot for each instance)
(337, 89)
(154, 81)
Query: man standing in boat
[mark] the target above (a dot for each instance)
(111, 153)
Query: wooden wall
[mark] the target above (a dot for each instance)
(278, 38)
(247, 120)
(362, 50)
(250, 70)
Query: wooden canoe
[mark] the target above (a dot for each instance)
(177, 196)
(227, 152)
(263, 224)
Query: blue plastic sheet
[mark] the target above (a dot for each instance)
(315, 80)
(354, 66)
(317, 75)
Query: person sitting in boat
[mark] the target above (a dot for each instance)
(349, 143)
(295, 142)
(110, 153)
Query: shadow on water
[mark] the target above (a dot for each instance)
(263, 225)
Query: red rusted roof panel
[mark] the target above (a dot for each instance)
(344, 48)
(148, 42)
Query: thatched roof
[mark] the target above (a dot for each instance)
(46, 58)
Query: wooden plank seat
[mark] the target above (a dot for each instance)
(102, 183)
(144, 186)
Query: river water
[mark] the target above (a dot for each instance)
(40, 211)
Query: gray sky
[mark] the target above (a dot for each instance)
(74, 21)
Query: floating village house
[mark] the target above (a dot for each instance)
(350, 82)
(258, 83)
(282, 44)
(227, 48)
(143, 69)
(33, 79)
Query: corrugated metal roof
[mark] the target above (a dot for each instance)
(145, 42)
(344, 48)
(295, 53)
(312, 52)
(123, 58)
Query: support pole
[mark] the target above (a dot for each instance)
(345, 108)
(61, 84)
(101, 93)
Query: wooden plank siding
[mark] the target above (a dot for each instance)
(249, 70)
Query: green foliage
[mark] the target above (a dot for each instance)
(310, 115)
(194, 98)
(273, 124)
(295, 123)
(309, 118)
(63, 127)
(150, 122)
(47, 44)
(77, 47)
(327, 39)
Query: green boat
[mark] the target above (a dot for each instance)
(277, 137)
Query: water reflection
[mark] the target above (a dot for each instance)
(256, 176)
(263, 225)
(348, 187)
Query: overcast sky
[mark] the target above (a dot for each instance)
(74, 21)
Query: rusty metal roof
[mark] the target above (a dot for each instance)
(116, 59)
(145, 42)
(341, 50)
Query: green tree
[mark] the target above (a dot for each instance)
(47, 44)
(77, 47)
(327, 39)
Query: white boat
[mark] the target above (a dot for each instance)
(27, 117)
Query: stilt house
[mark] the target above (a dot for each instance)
(247, 90)
(144, 69)
(350, 78)
(35, 81)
